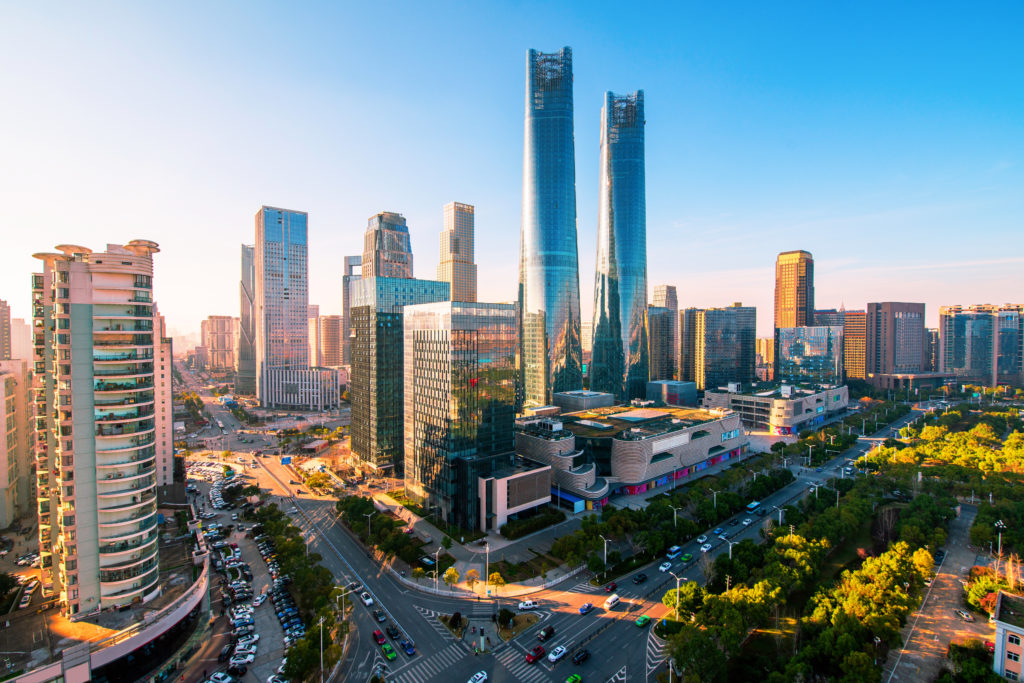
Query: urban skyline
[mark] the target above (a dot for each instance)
(917, 205)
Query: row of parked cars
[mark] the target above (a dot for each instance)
(284, 605)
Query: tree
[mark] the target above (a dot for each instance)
(505, 617)
(496, 580)
(451, 576)
(691, 596)
(695, 654)
(446, 543)
(472, 576)
(418, 573)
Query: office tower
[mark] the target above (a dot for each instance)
(314, 341)
(5, 330)
(17, 439)
(313, 311)
(794, 289)
(983, 344)
(95, 352)
(586, 342)
(218, 336)
(352, 273)
(620, 363)
(665, 297)
(895, 340)
(932, 354)
(662, 359)
(765, 365)
(330, 341)
(811, 355)
(245, 378)
(855, 335)
(459, 393)
(549, 286)
(387, 251)
(457, 267)
(724, 346)
(377, 358)
(163, 395)
(830, 317)
(688, 344)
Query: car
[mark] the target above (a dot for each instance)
(640, 578)
(239, 660)
(702, 538)
(238, 671)
(686, 558)
(586, 607)
(221, 677)
(379, 637)
(277, 679)
(225, 653)
(964, 615)
(354, 586)
(535, 654)
(365, 597)
(478, 677)
(252, 638)
(718, 531)
(379, 616)
(664, 566)
(580, 656)
(642, 620)
(393, 633)
(610, 588)
(408, 647)
(545, 633)
(733, 522)
(557, 654)
(818, 469)
(260, 599)
(388, 651)
(748, 521)
(705, 548)
(574, 678)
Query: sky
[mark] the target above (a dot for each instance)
(885, 138)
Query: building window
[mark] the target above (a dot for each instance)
(1013, 640)
(1012, 675)
(1013, 656)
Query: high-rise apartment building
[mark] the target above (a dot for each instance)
(810, 355)
(17, 439)
(688, 344)
(218, 336)
(765, 364)
(457, 267)
(665, 297)
(549, 288)
(663, 361)
(724, 345)
(983, 344)
(353, 269)
(330, 353)
(245, 376)
(96, 386)
(5, 330)
(459, 394)
(21, 339)
(163, 396)
(377, 357)
(794, 289)
(855, 339)
(387, 251)
(586, 341)
(932, 354)
(314, 339)
(895, 340)
(620, 364)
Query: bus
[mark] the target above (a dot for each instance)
(752, 507)
(220, 424)
(674, 552)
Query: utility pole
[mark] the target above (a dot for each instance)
(677, 592)
(715, 493)
(674, 511)
(605, 551)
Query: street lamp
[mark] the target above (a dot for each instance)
(605, 551)
(437, 567)
(321, 625)
(715, 496)
(731, 544)
(369, 519)
(674, 511)
(1001, 526)
(677, 577)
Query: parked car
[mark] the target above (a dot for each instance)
(365, 597)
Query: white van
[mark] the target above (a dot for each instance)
(527, 604)
(612, 601)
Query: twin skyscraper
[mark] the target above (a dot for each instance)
(549, 295)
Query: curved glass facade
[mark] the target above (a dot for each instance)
(619, 363)
(549, 288)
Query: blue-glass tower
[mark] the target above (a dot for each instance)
(549, 287)
(619, 363)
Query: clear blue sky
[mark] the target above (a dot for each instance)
(885, 138)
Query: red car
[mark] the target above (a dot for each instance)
(379, 637)
(535, 655)
(610, 587)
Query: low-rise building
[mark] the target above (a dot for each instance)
(581, 399)
(509, 491)
(624, 449)
(781, 408)
(672, 393)
(1009, 621)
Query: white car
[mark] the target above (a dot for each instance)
(365, 597)
(664, 566)
(479, 677)
(280, 669)
(748, 521)
(249, 649)
(557, 654)
(252, 638)
(277, 679)
(221, 677)
(702, 538)
(706, 547)
(260, 599)
(239, 660)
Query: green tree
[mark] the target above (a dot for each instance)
(451, 576)
(446, 542)
(496, 580)
(696, 656)
(418, 573)
(691, 597)
(472, 576)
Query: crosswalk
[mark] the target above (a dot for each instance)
(433, 668)
(655, 652)
(432, 618)
(586, 587)
(515, 661)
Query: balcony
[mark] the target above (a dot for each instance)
(136, 502)
(140, 586)
(137, 340)
(139, 486)
(134, 444)
(125, 429)
(131, 356)
(119, 575)
(145, 325)
(128, 520)
(139, 413)
(124, 402)
(141, 456)
(122, 311)
(125, 546)
(143, 528)
(126, 373)
(136, 559)
(109, 387)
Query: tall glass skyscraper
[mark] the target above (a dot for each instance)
(619, 363)
(549, 286)
(387, 251)
(245, 380)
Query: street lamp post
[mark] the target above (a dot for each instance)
(715, 493)
(677, 577)
(605, 551)
(731, 544)
(369, 519)
(674, 511)
(321, 625)
(437, 567)
(1000, 525)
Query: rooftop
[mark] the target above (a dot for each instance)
(629, 422)
(520, 466)
(1010, 609)
(774, 389)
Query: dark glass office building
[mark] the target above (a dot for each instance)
(549, 288)
(811, 355)
(620, 363)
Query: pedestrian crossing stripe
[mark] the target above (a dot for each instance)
(434, 667)
(515, 661)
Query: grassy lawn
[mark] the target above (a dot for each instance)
(519, 623)
(456, 631)
(538, 565)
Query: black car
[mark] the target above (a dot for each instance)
(640, 578)
(237, 670)
(733, 522)
(581, 656)
(545, 633)
(225, 653)
(393, 632)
